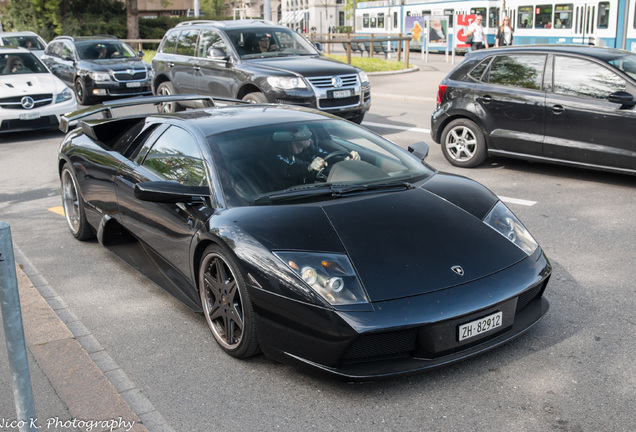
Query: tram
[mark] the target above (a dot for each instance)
(609, 23)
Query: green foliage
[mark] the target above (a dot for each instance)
(368, 64)
(50, 18)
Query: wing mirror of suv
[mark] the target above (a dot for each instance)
(141, 54)
(623, 98)
(67, 57)
(419, 149)
(215, 53)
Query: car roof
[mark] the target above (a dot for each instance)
(230, 24)
(96, 38)
(20, 33)
(13, 50)
(600, 53)
(218, 120)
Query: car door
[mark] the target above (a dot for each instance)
(213, 76)
(582, 125)
(60, 58)
(170, 154)
(512, 98)
(181, 64)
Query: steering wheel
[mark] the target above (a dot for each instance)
(322, 175)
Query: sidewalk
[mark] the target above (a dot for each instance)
(73, 379)
(75, 382)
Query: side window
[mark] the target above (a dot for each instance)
(563, 16)
(603, 15)
(524, 16)
(479, 70)
(53, 49)
(523, 70)
(583, 78)
(210, 39)
(544, 16)
(66, 50)
(170, 42)
(175, 156)
(187, 42)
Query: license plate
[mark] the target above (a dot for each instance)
(480, 326)
(341, 93)
(30, 116)
(133, 84)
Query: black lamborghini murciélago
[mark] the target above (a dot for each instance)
(373, 264)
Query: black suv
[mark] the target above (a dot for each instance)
(562, 104)
(256, 61)
(98, 67)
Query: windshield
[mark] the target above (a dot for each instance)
(20, 63)
(274, 42)
(274, 162)
(625, 63)
(104, 50)
(29, 42)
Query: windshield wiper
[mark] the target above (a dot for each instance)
(335, 190)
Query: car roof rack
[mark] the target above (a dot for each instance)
(201, 22)
(70, 120)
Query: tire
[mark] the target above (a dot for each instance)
(73, 206)
(463, 143)
(255, 97)
(226, 303)
(357, 119)
(166, 89)
(80, 93)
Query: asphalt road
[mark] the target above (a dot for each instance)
(575, 371)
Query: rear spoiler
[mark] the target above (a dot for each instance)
(69, 120)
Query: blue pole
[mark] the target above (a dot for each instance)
(14, 335)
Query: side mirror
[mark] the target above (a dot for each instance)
(419, 149)
(141, 54)
(623, 98)
(318, 46)
(67, 57)
(217, 54)
(170, 192)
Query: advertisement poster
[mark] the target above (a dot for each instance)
(438, 31)
(463, 21)
(415, 28)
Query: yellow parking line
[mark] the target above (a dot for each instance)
(58, 210)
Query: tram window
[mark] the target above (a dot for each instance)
(365, 20)
(583, 78)
(525, 71)
(450, 13)
(603, 15)
(381, 20)
(544, 16)
(563, 16)
(395, 20)
(524, 16)
(478, 11)
(374, 22)
(493, 17)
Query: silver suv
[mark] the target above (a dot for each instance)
(257, 61)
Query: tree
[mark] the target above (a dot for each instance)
(132, 19)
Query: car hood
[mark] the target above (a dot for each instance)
(28, 84)
(304, 65)
(115, 65)
(400, 243)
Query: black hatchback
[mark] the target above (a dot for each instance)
(562, 104)
(98, 67)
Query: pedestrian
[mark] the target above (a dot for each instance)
(476, 30)
(504, 33)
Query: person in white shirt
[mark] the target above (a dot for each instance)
(477, 31)
(504, 33)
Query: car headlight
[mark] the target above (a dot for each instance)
(502, 220)
(364, 78)
(286, 83)
(330, 275)
(65, 95)
(99, 76)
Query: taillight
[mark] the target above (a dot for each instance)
(441, 91)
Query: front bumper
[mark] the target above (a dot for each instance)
(45, 117)
(403, 336)
(105, 89)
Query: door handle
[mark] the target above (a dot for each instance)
(197, 68)
(558, 109)
(486, 99)
(171, 65)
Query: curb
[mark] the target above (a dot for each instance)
(84, 376)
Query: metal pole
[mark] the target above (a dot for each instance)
(14, 334)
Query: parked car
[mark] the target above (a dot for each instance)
(570, 105)
(27, 39)
(31, 97)
(372, 265)
(256, 61)
(98, 67)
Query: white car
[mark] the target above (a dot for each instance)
(26, 39)
(31, 97)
